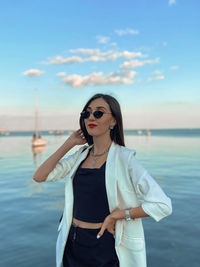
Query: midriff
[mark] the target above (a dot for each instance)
(87, 224)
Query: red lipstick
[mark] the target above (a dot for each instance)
(92, 125)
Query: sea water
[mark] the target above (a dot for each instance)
(30, 211)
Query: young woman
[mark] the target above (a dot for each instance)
(101, 224)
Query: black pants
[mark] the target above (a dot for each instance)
(83, 249)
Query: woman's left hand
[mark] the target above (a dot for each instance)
(109, 224)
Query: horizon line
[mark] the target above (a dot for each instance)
(72, 130)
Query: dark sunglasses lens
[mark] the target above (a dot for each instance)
(85, 114)
(98, 114)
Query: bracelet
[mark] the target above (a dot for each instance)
(127, 215)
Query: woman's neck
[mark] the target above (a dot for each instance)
(101, 143)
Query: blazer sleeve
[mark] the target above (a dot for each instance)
(155, 202)
(63, 166)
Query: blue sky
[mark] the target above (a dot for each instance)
(145, 53)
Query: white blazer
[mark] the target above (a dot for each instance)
(126, 183)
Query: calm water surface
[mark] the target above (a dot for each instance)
(30, 211)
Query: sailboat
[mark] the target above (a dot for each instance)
(37, 140)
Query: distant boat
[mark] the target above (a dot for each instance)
(4, 132)
(37, 139)
(139, 132)
(148, 133)
(58, 132)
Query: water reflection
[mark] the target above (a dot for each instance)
(36, 151)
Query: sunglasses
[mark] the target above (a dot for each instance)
(97, 114)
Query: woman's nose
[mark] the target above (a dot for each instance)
(91, 117)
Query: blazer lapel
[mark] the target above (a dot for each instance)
(82, 156)
(110, 177)
(111, 181)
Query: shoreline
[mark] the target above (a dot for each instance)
(71, 130)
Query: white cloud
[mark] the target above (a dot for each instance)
(61, 74)
(129, 55)
(171, 2)
(160, 77)
(125, 55)
(60, 60)
(126, 74)
(92, 55)
(126, 31)
(136, 63)
(106, 54)
(174, 67)
(33, 72)
(96, 59)
(156, 72)
(86, 51)
(75, 59)
(102, 39)
(100, 79)
(156, 78)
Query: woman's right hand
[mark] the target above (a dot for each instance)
(77, 138)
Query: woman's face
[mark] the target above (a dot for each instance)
(97, 127)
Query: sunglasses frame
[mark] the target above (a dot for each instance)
(93, 113)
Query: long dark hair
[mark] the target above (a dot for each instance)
(117, 133)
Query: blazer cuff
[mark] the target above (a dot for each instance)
(157, 211)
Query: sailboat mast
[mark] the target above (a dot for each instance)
(36, 113)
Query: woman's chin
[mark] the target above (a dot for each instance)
(92, 132)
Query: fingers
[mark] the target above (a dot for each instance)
(109, 225)
(80, 133)
(111, 231)
(101, 233)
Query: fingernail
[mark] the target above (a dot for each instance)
(98, 236)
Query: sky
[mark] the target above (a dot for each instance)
(144, 53)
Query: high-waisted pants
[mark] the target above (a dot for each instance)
(83, 249)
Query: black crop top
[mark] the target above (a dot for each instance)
(90, 198)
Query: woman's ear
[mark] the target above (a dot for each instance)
(113, 122)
